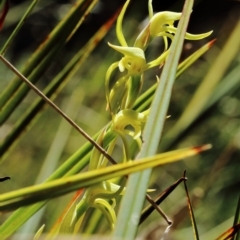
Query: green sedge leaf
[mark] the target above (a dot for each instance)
(62, 186)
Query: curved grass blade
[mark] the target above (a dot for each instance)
(18, 27)
(54, 42)
(131, 205)
(54, 87)
(39, 232)
(59, 187)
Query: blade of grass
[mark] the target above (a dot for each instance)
(57, 38)
(61, 186)
(70, 167)
(18, 27)
(131, 204)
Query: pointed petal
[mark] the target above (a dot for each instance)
(129, 51)
(161, 18)
(119, 32)
(107, 211)
(190, 36)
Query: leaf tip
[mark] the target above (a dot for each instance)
(212, 42)
(202, 148)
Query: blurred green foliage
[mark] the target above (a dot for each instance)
(213, 177)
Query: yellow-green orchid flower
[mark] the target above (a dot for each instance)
(129, 122)
(103, 197)
(126, 118)
(161, 24)
(99, 195)
(133, 61)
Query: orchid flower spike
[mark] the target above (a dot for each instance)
(133, 63)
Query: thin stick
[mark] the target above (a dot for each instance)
(55, 107)
(150, 208)
(194, 224)
(160, 211)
